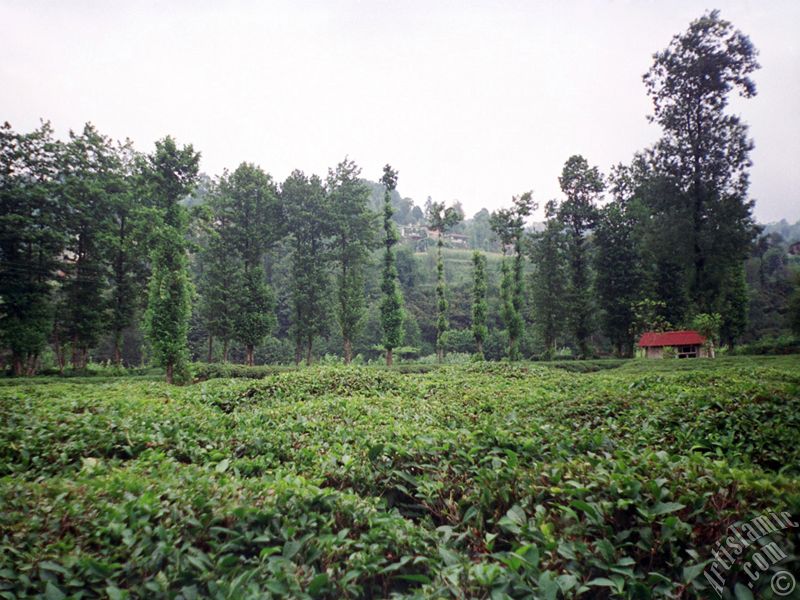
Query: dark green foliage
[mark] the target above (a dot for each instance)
(794, 307)
(308, 216)
(619, 279)
(392, 300)
(354, 230)
(508, 226)
(247, 220)
(582, 185)
(218, 266)
(128, 256)
(254, 310)
(704, 151)
(441, 219)
(480, 308)
(548, 289)
(734, 306)
(169, 175)
(32, 237)
(92, 185)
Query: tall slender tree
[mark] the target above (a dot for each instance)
(508, 224)
(480, 308)
(705, 151)
(392, 300)
(309, 222)
(582, 185)
(249, 218)
(128, 272)
(354, 234)
(440, 219)
(547, 253)
(170, 175)
(92, 178)
(619, 279)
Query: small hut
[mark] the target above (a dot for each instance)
(687, 344)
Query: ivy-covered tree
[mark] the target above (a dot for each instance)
(31, 241)
(308, 216)
(170, 174)
(704, 151)
(392, 299)
(508, 225)
(547, 253)
(480, 309)
(440, 219)
(354, 234)
(582, 185)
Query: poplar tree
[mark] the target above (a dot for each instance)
(508, 224)
(480, 309)
(440, 219)
(354, 234)
(170, 175)
(392, 301)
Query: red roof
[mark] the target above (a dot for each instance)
(671, 338)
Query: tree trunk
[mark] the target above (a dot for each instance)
(479, 345)
(118, 348)
(18, 370)
(249, 358)
(389, 357)
(31, 370)
(308, 351)
(225, 350)
(439, 355)
(298, 353)
(170, 372)
(348, 351)
(210, 348)
(76, 353)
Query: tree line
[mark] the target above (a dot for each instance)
(97, 238)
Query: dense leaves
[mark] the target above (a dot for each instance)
(490, 480)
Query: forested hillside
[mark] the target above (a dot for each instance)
(107, 253)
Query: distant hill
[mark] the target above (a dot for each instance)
(789, 232)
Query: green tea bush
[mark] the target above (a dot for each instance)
(485, 480)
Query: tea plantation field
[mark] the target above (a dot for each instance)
(482, 481)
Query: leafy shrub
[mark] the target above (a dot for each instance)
(490, 479)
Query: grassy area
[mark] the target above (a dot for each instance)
(488, 480)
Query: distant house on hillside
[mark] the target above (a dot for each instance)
(687, 344)
(794, 249)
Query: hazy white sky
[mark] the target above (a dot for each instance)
(473, 101)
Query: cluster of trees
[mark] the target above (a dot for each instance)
(88, 230)
(98, 241)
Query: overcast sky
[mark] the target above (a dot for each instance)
(474, 101)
